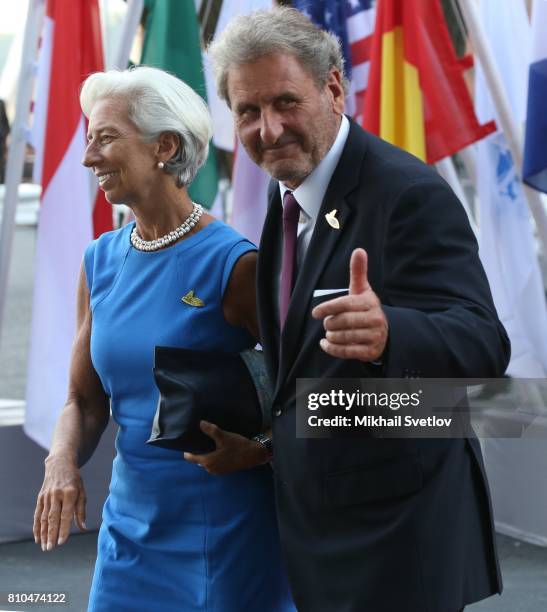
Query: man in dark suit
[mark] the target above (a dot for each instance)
(367, 524)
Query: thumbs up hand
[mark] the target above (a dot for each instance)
(356, 326)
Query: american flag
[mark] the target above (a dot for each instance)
(352, 21)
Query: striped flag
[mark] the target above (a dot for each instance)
(360, 17)
(352, 22)
(72, 41)
(535, 150)
(417, 98)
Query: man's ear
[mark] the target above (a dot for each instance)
(336, 91)
(168, 144)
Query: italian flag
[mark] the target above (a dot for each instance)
(72, 210)
(417, 98)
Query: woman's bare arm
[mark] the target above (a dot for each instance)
(77, 433)
(239, 303)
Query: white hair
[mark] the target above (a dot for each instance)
(158, 102)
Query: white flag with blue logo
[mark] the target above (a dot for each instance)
(506, 240)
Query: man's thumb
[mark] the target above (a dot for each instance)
(358, 272)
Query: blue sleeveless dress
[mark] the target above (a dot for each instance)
(173, 537)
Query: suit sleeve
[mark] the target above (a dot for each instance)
(442, 320)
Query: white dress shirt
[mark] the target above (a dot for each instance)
(309, 196)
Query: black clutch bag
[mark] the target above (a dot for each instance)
(229, 390)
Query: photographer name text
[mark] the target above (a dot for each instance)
(377, 421)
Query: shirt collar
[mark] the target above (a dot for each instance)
(311, 192)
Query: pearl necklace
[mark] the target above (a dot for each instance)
(178, 232)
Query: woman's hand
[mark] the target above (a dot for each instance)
(61, 498)
(233, 452)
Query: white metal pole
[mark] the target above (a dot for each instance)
(16, 152)
(510, 128)
(445, 167)
(468, 155)
(131, 23)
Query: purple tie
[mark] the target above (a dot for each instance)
(291, 213)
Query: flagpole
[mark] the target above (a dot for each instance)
(512, 134)
(468, 156)
(132, 20)
(16, 152)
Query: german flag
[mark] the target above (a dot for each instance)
(417, 97)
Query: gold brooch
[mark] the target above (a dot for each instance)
(192, 300)
(332, 220)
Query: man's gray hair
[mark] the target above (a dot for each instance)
(278, 30)
(158, 102)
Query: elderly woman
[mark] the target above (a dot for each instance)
(174, 536)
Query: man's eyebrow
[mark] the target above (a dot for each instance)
(287, 95)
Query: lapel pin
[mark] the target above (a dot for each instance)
(332, 220)
(192, 300)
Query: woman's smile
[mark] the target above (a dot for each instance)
(104, 178)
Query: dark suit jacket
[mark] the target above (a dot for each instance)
(384, 525)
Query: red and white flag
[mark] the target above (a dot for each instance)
(72, 211)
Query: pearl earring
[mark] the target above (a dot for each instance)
(161, 165)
